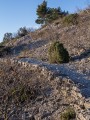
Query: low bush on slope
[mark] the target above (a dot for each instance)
(71, 19)
(4, 50)
(58, 54)
(69, 114)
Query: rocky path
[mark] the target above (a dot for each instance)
(81, 80)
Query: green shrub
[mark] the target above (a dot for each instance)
(71, 19)
(58, 54)
(68, 114)
(22, 94)
(4, 50)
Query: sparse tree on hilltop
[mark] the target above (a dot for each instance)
(22, 31)
(46, 14)
(42, 13)
(7, 36)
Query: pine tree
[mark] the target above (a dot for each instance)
(42, 12)
(46, 14)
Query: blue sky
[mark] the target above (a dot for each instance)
(18, 13)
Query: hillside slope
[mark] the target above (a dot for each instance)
(76, 38)
(43, 91)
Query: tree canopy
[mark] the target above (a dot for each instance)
(46, 14)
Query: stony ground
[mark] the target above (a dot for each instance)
(81, 66)
(25, 94)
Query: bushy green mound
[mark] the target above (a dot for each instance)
(69, 114)
(71, 19)
(58, 54)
